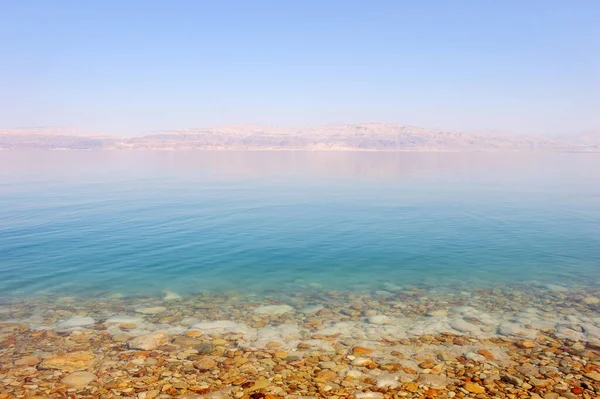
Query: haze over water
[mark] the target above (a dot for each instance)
(85, 223)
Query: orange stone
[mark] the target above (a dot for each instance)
(74, 361)
(525, 345)
(193, 333)
(411, 387)
(325, 376)
(427, 365)
(486, 353)
(474, 388)
(361, 351)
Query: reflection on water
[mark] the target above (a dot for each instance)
(388, 165)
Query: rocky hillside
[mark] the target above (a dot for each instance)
(386, 137)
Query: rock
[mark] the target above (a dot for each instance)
(75, 322)
(171, 296)
(528, 370)
(74, 361)
(556, 288)
(369, 395)
(379, 319)
(151, 310)
(511, 379)
(525, 345)
(551, 395)
(325, 376)
(515, 331)
(361, 361)
(312, 310)
(28, 361)
(260, 384)
(187, 342)
(147, 342)
(593, 376)
(474, 388)
(125, 319)
(360, 351)
(387, 380)
(590, 300)
(465, 327)
(223, 327)
(205, 364)
(427, 365)
(435, 381)
(273, 310)
(78, 379)
(475, 357)
(437, 313)
(328, 365)
(205, 348)
(486, 354)
(121, 337)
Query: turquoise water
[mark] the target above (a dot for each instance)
(87, 223)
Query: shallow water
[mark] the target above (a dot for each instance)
(88, 223)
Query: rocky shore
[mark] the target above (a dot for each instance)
(512, 342)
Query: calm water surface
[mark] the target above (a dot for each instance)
(80, 223)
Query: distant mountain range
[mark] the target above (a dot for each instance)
(374, 137)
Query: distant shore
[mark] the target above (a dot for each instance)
(363, 137)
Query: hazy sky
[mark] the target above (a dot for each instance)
(128, 66)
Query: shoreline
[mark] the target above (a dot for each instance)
(413, 343)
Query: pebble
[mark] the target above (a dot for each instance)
(205, 364)
(273, 310)
(369, 395)
(435, 381)
(379, 319)
(147, 342)
(476, 357)
(512, 380)
(437, 313)
(76, 322)
(28, 361)
(593, 376)
(591, 300)
(151, 310)
(78, 379)
(73, 361)
(474, 388)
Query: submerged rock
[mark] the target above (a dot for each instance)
(73, 361)
(379, 319)
(76, 322)
(171, 296)
(147, 342)
(273, 310)
(465, 327)
(151, 310)
(28, 361)
(78, 379)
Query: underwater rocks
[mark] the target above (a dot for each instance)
(78, 379)
(409, 343)
(273, 310)
(151, 310)
(73, 361)
(147, 342)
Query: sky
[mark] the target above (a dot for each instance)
(128, 66)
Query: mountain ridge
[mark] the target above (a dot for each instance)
(365, 136)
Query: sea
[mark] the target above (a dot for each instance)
(85, 223)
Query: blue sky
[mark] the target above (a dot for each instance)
(129, 66)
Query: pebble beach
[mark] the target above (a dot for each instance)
(528, 341)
